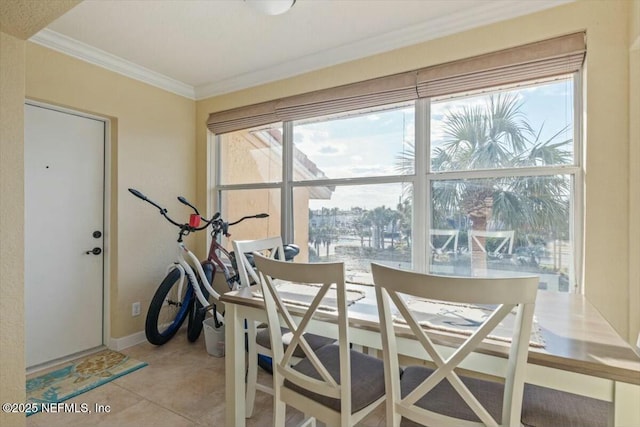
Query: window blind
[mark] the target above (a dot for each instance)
(370, 93)
(242, 118)
(547, 58)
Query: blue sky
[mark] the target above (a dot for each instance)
(368, 145)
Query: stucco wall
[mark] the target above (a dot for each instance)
(247, 158)
(607, 209)
(152, 148)
(12, 366)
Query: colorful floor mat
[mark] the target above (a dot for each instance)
(76, 378)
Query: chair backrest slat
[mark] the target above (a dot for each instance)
(503, 237)
(504, 295)
(450, 234)
(271, 246)
(328, 275)
(469, 290)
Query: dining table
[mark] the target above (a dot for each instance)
(580, 353)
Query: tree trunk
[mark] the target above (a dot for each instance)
(480, 216)
(478, 256)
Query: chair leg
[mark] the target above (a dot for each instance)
(279, 411)
(279, 407)
(392, 417)
(252, 369)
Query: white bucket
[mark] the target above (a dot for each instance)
(213, 337)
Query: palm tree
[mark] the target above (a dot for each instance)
(362, 225)
(493, 136)
(405, 210)
(327, 233)
(394, 218)
(380, 218)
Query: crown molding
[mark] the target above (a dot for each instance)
(87, 53)
(484, 14)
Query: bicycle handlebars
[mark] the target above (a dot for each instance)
(185, 202)
(144, 198)
(260, 215)
(187, 227)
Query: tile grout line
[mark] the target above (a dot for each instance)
(154, 402)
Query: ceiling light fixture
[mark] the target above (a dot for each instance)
(271, 7)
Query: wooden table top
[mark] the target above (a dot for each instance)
(576, 333)
(577, 337)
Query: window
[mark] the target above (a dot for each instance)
(249, 173)
(346, 185)
(493, 196)
(465, 168)
(502, 175)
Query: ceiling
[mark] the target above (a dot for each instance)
(202, 48)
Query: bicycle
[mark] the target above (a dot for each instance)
(173, 302)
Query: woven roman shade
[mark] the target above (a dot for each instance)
(370, 93)
(242, 118)
(547, 58)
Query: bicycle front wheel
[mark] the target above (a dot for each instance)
(168, 309)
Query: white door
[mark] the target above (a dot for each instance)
(64, 215)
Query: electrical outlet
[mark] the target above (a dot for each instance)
(135, 309)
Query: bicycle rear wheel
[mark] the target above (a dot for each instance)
(168, 309)
(197, 314)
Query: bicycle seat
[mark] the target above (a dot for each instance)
(290, 251)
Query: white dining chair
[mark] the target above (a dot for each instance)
(450, 243)
(440, 396)
(478, 238)
(423, 396)
(335, 384)
(258, 339)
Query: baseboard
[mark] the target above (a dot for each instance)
(65, 359)
(118, 344)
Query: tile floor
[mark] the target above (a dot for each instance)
(182, 386)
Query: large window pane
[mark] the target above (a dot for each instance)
(361, 144)
(500, 167)
(514, 224)
(355, 225)
(523, 127)
(238, 203)
(251, 156)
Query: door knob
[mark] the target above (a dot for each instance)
(95, 251)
